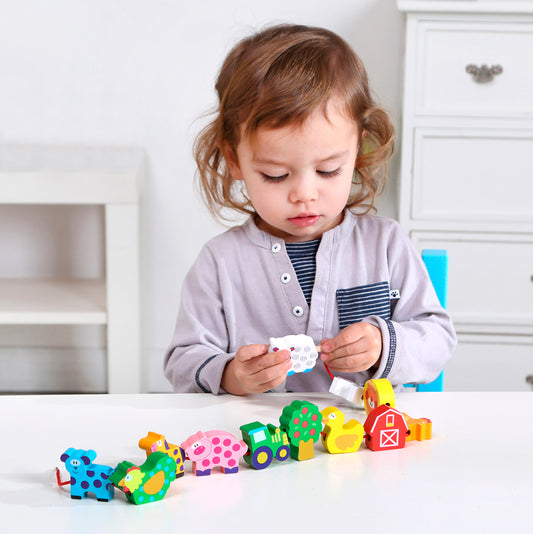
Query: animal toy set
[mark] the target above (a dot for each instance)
(87, 476)
(147, 483)
(214, 448)
(154, 442)
(303, 351)
(301, 425)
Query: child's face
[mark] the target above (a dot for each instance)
(298, 178)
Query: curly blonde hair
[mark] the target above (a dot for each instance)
(278, 77)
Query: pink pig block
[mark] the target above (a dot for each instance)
(214, 448)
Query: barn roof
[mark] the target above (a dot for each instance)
(382, 411)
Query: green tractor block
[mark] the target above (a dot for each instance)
(265, 442)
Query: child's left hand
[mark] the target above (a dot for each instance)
(356, 348)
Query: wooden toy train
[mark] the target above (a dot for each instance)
(302, 424)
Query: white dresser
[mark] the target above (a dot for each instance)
(467, 176)
(80, 176)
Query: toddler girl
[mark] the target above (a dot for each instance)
(299, 145)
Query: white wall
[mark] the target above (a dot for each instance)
(137, 73)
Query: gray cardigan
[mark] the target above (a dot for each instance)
(242, 289)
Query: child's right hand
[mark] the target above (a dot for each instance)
(255, 370)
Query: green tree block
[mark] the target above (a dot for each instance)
(303, 423)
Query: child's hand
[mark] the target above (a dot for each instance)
(356, 348)
(254, 370)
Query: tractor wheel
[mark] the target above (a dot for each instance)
(283, 453)
(261, 458)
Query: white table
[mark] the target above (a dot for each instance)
(475, 475)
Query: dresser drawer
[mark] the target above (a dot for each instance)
(490, 286)
(472, 176)
(490, 363)
(443, 51)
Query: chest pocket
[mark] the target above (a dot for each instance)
(356, 303)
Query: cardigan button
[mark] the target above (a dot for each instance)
(298, 311)
(285, 278)
(276, 247)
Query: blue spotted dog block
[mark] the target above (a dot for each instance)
(86, 476)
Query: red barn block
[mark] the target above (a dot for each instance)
(385, 428)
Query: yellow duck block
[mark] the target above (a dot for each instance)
(338, 436)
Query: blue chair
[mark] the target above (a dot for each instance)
(436, 262)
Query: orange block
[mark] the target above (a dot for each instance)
(419, 429)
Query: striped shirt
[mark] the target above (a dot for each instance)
(356, 303)
(303, 259)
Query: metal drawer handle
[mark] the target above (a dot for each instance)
(483, 74)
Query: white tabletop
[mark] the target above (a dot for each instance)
(474, 475)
